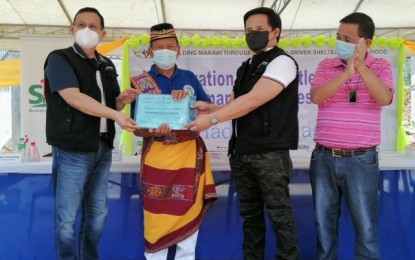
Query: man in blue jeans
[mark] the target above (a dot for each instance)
(84, 100)
(350, 91)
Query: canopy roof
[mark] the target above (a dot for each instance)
(204, 17)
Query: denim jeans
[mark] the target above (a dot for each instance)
(80, 178)
(356, 178)
(262, 180)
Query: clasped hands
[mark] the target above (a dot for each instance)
(357, 61)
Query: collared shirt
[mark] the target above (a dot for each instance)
(177, 81)
(346, 125)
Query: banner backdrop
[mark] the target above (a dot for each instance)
(33, 52)
(216, 69)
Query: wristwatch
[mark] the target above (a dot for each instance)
(213, 119)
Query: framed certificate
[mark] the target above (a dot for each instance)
(151, 110)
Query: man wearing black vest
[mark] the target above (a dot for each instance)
(263, 109)
(83, 101)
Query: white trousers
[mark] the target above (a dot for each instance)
(185, 250)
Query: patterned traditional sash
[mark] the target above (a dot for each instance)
(144, 83)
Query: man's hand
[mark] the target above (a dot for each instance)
(126, 122)
(178, 94)
(350, 66)
(162, 130)
(201, 123)
(357, 61)
(360, 54)
(202, 107)
(125, 97)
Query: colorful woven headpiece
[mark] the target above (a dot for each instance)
(161, 31)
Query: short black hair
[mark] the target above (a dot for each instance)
(366, 26)
(274, 20)
(90, 10)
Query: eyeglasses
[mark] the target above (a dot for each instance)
(93, 27)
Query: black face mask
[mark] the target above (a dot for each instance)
(257, 40)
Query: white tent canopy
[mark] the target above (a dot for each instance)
(299, 17)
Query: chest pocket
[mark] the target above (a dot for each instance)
(110, 72)
(260, 69)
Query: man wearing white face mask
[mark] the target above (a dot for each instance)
(350, 91)
(176, 181)
(83, 101)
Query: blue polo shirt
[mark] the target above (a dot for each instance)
(177, 81)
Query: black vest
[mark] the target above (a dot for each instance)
(272, 126)
(69, 128)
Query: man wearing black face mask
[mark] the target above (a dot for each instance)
(264, 109)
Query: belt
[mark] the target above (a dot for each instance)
(103, 135)
(345, 152)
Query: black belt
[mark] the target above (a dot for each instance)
(344, 152)
(104, 136)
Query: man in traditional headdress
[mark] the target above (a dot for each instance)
(176, 180)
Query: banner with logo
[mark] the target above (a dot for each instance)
(33, 52)
(216, 68)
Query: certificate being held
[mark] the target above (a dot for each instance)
(152, 110)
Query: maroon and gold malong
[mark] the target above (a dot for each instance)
(176, 182)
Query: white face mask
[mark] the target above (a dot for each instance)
(86, 38)
(165, 58)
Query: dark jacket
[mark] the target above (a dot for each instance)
(69, 128)
(272, 126)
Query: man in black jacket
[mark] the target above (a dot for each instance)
(84, 100)
(264, 107)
